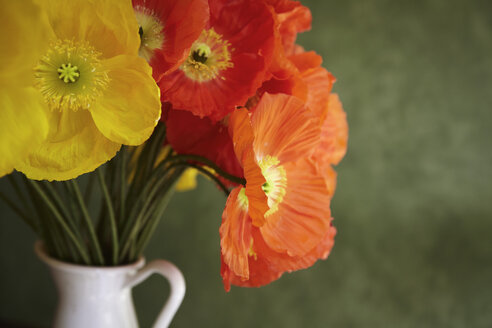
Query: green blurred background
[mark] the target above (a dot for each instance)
(413, 206)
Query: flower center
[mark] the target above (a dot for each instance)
(209, 55)
(150, 31)
(70, 75)
(201, 53)
(276, 182)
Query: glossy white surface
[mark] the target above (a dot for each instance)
(98, 297)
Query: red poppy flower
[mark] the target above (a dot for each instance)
(283, 214)
(228, 61)
(189, 134)
(167, 30)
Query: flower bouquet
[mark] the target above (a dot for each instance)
(109, 106)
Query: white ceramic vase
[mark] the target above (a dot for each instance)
(100, 297)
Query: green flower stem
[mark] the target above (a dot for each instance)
(148, 215)
(150, 228)
(73, 205)
(205, 172)
(154, 146)
(112, 220)
(144, 167)
(41, 214)
(149, 197)
(123, 183)
(61, 206)
(60, 221)
(18, 191)
(57, 238)
(158, 174)
(88, 221)
(88, 189)
(210, 164)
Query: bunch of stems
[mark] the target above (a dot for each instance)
(112, 224)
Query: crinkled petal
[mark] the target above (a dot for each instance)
(243, 138)
(73, 147)
(220, 96)
(258, 200)
(130, 108)
(23, 124)
(293, 85)
(266, 265)
(303, 217)
(183, 21)
(284, 128)
(24, 39)
(261, 273)
(109, 26)
(282, 262)
(235, 235)
(334, 133)
(241, 131)
(318, 80)
(248, 27)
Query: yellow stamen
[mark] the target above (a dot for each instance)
(209, 55)
(70, 76)
(276, 182)
(150, 31)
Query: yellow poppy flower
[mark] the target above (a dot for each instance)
(77, 83)
(20, 130)
(187, 181)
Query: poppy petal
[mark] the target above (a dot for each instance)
(24, 124)
(284, 128)
(74, 146)
(303, 217)
(334, 133)
(131, 119)
(108, 25)
(235, 235)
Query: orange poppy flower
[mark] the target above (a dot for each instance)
(334, 133)
(227, 63)
(282, 216)
(333, 141)
(306, 80)
(313, 84)
(318, 80)
(168, 28)
(293, 18)
(246, 258)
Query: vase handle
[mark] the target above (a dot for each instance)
(177, 288)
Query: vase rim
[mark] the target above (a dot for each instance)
(40, 251)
